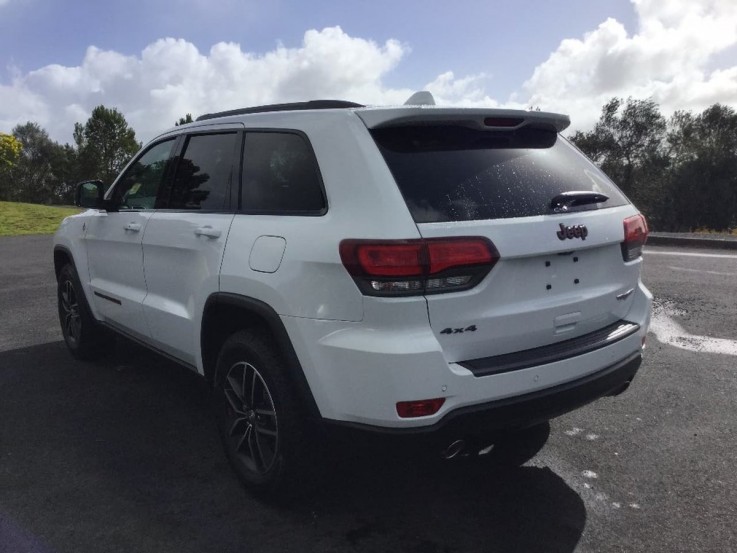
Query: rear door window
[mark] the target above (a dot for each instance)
(204, 173)
(448, 173)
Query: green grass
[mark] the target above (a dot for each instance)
(17, 218)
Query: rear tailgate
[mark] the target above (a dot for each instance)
(542, 290)
(496, 174)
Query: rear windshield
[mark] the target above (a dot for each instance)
(448, 173)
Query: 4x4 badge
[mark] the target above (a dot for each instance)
(471, 328)
(574, 231)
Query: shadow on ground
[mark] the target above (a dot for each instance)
(123, 455)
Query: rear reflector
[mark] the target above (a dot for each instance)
(415, 267)
(635, 235)
(420, 408)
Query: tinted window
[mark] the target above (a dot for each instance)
(204, 173)
(460, 174)
(138, 187)
(280, 174)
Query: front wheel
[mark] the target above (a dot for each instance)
(261, 424)
(83, 335)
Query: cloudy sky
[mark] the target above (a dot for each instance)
(158, 60)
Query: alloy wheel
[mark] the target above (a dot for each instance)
(251, 420)
(71, 317)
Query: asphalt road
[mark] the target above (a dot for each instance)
(123, 455)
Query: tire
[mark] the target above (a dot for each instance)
(260, 421)
(84, 336)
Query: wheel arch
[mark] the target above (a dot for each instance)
(62, 256)
(225, 313)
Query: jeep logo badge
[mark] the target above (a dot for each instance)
(574, 231)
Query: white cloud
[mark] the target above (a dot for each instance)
(466, 91)
(171, 78)
(667, 59)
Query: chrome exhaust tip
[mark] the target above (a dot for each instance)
(453, 450)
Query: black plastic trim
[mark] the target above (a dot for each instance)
(108, 298)
(68, 253)
(551, 353)
(295, 106)
(118, 330)
(512, 413)
(281, 336)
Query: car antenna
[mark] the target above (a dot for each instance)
(421, 98)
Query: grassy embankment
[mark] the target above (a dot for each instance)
(17, 218)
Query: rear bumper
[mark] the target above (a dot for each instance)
(357, 372)
(508, 414)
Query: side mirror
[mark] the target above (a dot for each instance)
(89, 194)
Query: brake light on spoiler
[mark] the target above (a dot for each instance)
(417, 267)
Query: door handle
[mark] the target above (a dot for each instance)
(133, 227)
(208, 231)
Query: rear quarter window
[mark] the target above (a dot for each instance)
(448, 173)
(280, 175)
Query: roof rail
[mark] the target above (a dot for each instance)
(295, 106)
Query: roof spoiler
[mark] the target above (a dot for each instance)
(475, 118)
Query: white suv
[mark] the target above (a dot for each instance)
(411, 271)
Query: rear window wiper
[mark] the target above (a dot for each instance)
(576, 197)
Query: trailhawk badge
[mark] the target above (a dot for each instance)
(574, 231)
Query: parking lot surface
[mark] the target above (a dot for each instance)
(123, 455)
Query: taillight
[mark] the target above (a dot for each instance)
(415, 267)
(635, 235)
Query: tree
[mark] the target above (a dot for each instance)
(10, 150)
(65, 174)
(704, 170)
(628, 143)
(31, 174)
(184, 120)
(105, 143)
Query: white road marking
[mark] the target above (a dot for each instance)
(691, 254)
(573, 431)
(700, 271)
(668, 331)
(598, 501)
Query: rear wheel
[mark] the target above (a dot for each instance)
(260, 421)
(84, 336)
